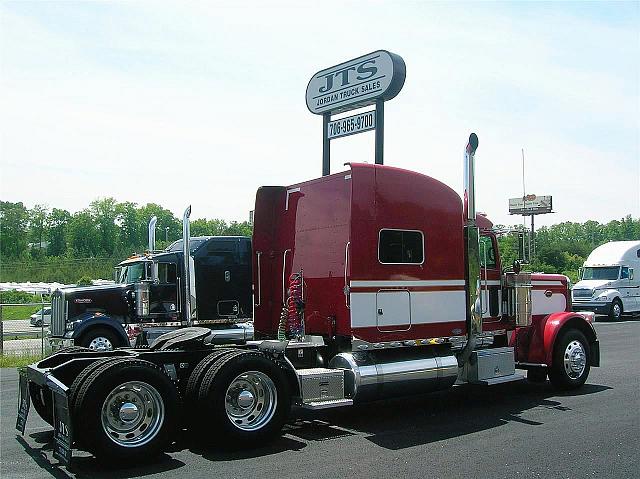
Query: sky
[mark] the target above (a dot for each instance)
(182, 103)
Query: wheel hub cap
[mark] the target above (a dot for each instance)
(132, 414)
(245, 399)
(251, 400)
(575, 359)
(101, 344)
(128, 412)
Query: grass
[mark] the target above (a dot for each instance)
(18, 312)
(11, 361)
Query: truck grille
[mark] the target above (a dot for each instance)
(582, 293)
(58, 314)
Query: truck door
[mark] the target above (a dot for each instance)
(628, 293)
(490, 279)
(163, 295)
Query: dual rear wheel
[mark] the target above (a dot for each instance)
(125, 409)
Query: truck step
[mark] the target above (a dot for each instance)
(500, 380)
(327, 404)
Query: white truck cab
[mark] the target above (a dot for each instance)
(610, 280)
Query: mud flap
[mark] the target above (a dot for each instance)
(595, 353)
(24, 402)
(62, 437)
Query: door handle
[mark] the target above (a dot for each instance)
(380, 312)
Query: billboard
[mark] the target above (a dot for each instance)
(530, 205)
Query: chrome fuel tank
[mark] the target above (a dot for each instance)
(390, 373)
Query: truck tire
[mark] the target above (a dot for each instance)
(571, 360)
(100, 339)
(42, 402)
(616, 310)
(126, 410)
(198, 373)
(244, 400)
(41, 397)
(83, 375)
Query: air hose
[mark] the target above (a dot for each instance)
(292, 316)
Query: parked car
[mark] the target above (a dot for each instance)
(41, 317)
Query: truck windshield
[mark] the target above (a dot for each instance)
(132, 273)
(608, 272)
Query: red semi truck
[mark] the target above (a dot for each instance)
(370, 283)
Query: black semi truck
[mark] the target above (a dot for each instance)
(110, 316)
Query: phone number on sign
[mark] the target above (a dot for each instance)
(352, 124)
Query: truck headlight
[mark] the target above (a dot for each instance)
(71, 326)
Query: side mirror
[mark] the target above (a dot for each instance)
(516, 267)
(580, 271)
(630, 273)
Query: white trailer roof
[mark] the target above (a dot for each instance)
(614, 252)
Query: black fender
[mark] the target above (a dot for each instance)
(86, 322)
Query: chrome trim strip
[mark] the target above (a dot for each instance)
(346, 267)
(284, 269)
(259, 254)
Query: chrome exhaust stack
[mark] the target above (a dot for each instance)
(472, 253)
(186, 257)
(152, 233)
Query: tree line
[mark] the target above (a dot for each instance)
(42, 244)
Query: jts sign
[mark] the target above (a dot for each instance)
(356, 83)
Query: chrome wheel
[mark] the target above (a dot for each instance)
(100, 343)
(575, 359)
(616, 310)
(133, 414)
(251, 400)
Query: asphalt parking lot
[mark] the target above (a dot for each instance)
(510, 430)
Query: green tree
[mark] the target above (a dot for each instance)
(129, 221)
(104, 214)
(83, 237)
(37, 229)
(57, 222)
(14, 220)
(165, 220)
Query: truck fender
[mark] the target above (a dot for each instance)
(93, 320)
(556, 323)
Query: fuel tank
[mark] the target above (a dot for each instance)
(381, 374)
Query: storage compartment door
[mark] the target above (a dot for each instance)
(393, 310)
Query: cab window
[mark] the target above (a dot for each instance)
(167, 273)
(487, 253)
(624, 274)
(401, 247)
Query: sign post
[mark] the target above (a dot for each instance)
(531, 205)
(366, 80)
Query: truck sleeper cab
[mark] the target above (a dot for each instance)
(109, 316)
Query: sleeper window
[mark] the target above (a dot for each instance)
(400, 246)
